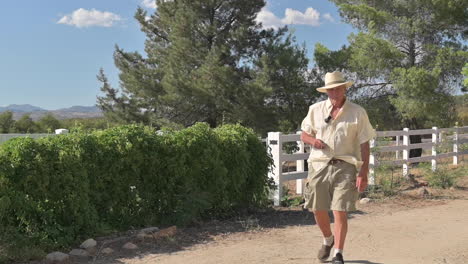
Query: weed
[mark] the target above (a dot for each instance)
(250, 224)
(387, 182)
(442, 178)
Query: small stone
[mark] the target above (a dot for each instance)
(167, 232)
(141, 236)
(88, 244)
(57, 258)
(107, 251)
(79, 253)
(115, 240)
(150, 230)
(423, 192)
(452, 188)
(144, 236)
(92, 251)
(365, 201)
(129, 246)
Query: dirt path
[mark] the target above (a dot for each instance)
(435, 233)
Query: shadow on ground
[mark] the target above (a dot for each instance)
(362, 262)
(204, 232)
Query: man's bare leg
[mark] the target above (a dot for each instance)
(323, 221)
(341, 228)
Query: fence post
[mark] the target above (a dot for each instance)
(372, 163)
(275, 145)
(434, 150)
(300, 164)
(397, 153)
(455, 146)
(405, 151)
(61, 131)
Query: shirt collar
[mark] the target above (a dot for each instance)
(329, 105)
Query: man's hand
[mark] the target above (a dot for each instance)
(319, 144)
(311, 140)
(361, 180)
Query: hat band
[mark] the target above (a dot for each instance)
(335, 82)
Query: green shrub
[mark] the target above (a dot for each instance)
(44, 189)
(387, 181)
(249, 184)
(441, 178)
(57, 190)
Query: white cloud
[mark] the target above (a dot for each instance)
(328, 17)
(268, 19)
(310, 17)
(88, 18)
(294, 17)
(149, 4)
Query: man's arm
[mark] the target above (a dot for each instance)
(311, 140)
(361, 182)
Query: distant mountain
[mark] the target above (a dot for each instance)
(82, 109)
(64, 113)
(24, 108)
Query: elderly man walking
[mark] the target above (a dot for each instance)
(339, 132)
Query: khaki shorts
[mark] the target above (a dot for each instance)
(332, 188)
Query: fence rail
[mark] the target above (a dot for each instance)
(6, 137)
(276, 140)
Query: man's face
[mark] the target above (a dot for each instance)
(337, 93)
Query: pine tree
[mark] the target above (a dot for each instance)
(6, 122)
(408, 54)
(282, 70)
(465, 81)
(195, 69)
(26, 125)
(48, 123)
(407, 58)
(210, 61)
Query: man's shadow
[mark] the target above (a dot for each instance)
(362, 262)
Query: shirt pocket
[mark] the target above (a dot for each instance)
(346, 131)
(321, 131)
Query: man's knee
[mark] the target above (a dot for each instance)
(320, 211)
(340, 216)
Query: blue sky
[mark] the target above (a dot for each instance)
(51, 51)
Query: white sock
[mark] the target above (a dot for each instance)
(337, 251)
(327, 241)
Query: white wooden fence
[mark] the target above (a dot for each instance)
(275, 142)
(5, 137)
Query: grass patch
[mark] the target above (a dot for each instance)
(441, 179)
(289, 200)
(388, 181)
(18, 248)
(445, 177)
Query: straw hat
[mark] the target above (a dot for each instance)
(334, 79)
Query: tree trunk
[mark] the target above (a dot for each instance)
(414, 139)
(212, 120)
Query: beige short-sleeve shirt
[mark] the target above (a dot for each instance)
(342, 135)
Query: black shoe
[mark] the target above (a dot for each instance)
(324, 252)
(338, 259)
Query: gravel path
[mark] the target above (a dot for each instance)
(391, 234)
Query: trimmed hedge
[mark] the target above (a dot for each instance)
(56, 190)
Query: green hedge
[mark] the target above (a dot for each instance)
(56, 190)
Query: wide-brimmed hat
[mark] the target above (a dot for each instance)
(334, 79)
